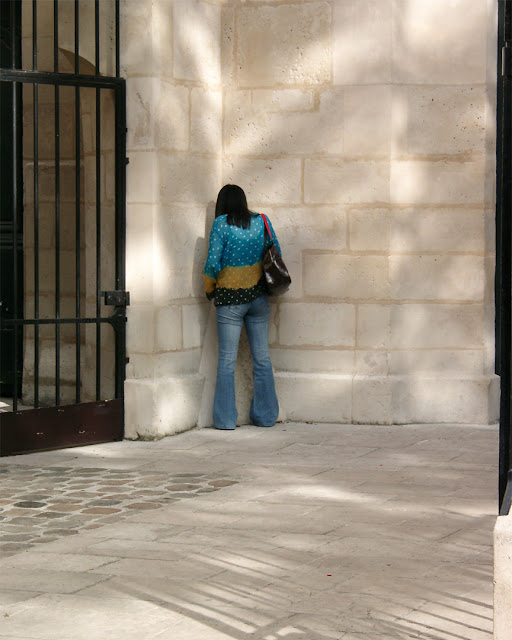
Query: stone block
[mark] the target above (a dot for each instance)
(371, 363)
(502, 576)
(334, 181)
(140, 329)
(168, 328)
(431, 362)
(141, 96)
(272, 181)
(140, 366)
(180, 251)
(162, 38)
(362, 52)
(438, 120)
(371, 402)
(313, 361)
(369, 229)
(287, 44)
(162, 407)
(367, 120)
(421, 48)
(279, 100)
(194, 318)
(346, 276)
(139, 409)
(315, 397)
(437, 326)
(172, 117)
(441, 399)
(196, 40)
(437, 277)
(301, 229)
(136, 22)
(176, 363)
(418, 229)
(373, 326)
(139, 252)
(316, 324)
(262, 129)
(206, 121)
(188, 178)
(142, 178)
(437, 182)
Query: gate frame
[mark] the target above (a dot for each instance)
(89, 422)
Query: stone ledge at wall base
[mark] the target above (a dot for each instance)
(161, 407)
(503, 578)
(387, 399)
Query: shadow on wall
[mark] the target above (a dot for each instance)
(394, 152)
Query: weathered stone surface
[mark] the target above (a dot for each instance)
(272, 181)
(371, 400)
(196, 48)
(335, 181)
(288, 44)
(438, 120)
(438, 399)
(427, 34)
(437, 326)
(346, 277)
(444, 362)
(437, 182)
(316, 324)
(188, 178)
(194, 324)
(419, 229)
(373, 326)
(369, 229)
(168, 328)
(172, 112)
(362, 52)
(437, 277)
(315, 397)
(205, 120)
(140, 328)
(313, 361)
(366, 121)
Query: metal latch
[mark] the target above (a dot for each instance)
(117, 298)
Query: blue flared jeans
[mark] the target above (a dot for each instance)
(264, 405)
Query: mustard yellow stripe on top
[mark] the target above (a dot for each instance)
(209, 284)
(240, 277)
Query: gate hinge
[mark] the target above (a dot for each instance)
(127, 160)
(506, 60)
(117, 298)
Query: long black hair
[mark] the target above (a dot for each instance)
(232, 202)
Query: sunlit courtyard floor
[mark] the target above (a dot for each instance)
(299, 532)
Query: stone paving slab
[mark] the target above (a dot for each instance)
(300, 532)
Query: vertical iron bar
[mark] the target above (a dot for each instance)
(504, 262)
(36, 244)
(77, 34)
(56, 36)
(98, 206)
(117, 41)
(57, 200)
(35, 107)
(77, 236)
(15, 228)
(120, 209)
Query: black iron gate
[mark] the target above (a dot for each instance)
(504, 250)
(62, 231)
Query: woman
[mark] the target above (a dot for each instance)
(234, 279)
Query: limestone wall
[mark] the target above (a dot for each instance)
(365, 129)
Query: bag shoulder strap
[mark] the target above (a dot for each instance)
(267, 228)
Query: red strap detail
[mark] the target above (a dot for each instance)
(266, 225)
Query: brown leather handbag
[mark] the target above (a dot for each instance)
(274, 269)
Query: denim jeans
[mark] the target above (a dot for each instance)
(264, 405)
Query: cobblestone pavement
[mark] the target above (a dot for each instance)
(39, 504)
